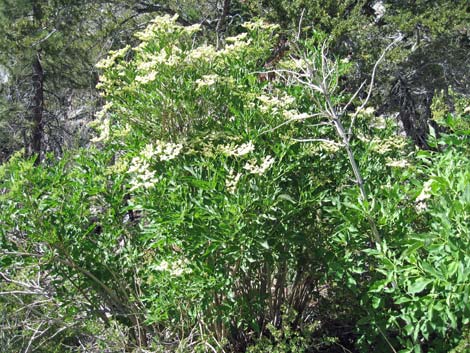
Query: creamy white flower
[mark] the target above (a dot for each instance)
(168, 151)
(245, 148)
(234, 150)
(294, 114)
(273, 102)
(260, 24)
(367, 111)
(207, 80)
(141, 176)
(193, 28)
(379, 122)
(421, 207)
(397, 163)
(235, 46)
(104, 110)
(111, 59)
(232, 181)
(426, 191)
(240, 37)
(329, 147)
(379, 10)
(105, 128)
(149, 77)
(206, 52)
(253, 167)
(176, 268)
(163, 266)
(160, 23)
(137, 165)
(148, 152)
(382, 146)
(207, 150)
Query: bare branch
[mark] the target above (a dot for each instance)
(300, 24)
(320, 140)
(371, 84)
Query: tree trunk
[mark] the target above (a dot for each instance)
(37, 103)
(37, 108)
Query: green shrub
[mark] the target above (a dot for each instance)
(200, 221)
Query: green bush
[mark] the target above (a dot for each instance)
(200, 222)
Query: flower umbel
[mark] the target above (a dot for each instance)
(232, 181)
(234, 150)
(253, 167)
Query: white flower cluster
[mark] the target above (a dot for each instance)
(142, 177)
(260, 24)
(275, 103)
(379, 122)
(176, 269)
(168, 150)
(241, 36)
(204, 52)
(237, 150)
(329, 147)
(104, 82)
(165, 151)
(232, 181)
(207, 150)
(402, 163)
(166, 24)
(120, 166)
(366, 111)
(238, 43)
(426, 192)
(421, 207)
(113, 55)
(253, 167)
(386, 145)
(207, 80)
(104, 109)
(148, 77)
(159, 22)
(148, 63)
(104, 125)
(293, 114)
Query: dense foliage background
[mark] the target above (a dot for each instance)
(234, 176)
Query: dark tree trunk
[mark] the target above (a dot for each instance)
(223, 17)
(37, 104)
(37, 109)
(222, 21)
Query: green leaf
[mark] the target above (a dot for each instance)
(376, 302)
(264, 244)
(287, 198)
(412, 248)
(418, 286)
(402, 300)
